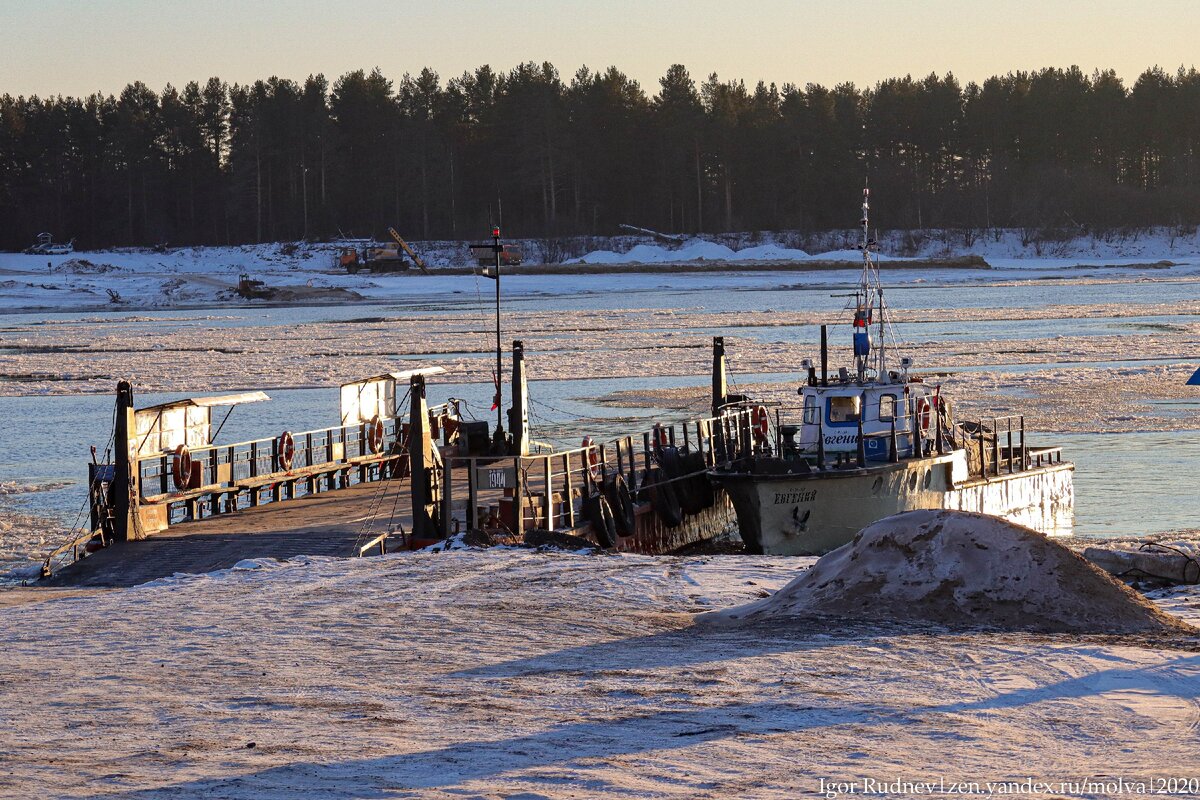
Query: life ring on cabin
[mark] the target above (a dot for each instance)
(591, 456)
(375, 434)
(182, 467)
(660, 437)
(760, 423)
(285, 451)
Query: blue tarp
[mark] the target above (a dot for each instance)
(1195, 379)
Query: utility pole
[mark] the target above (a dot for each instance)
(498, 440)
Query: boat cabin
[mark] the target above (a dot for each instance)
(834, 413)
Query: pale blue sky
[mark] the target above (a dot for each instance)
(76, 47)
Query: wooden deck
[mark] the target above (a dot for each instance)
(325, 524)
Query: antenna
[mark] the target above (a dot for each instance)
(868, 299)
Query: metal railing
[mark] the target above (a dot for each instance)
(544, 487)
(322, 459)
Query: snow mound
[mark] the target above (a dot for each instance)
(958, 569)
(702, 250)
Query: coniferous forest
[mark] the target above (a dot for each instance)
(214, 163)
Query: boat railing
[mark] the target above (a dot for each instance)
(998, 445)
(546, 486)
(278, 468)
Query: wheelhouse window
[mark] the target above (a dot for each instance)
(887, 407)
(810, 410)
(844, 409)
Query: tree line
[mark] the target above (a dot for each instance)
(214, 163)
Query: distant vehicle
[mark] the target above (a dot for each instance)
(390, 256)
(252, 289)
(510, 255)
(46, 246)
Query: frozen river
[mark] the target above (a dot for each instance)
(1127, 483)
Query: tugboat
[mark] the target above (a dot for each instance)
(876, 440)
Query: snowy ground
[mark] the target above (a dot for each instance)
(516, 674)
(203, 276)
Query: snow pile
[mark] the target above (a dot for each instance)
(702, 250)
(958, 569)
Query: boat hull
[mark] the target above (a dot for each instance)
(813, 513)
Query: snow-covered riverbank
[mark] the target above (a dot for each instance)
(136, 279)
(513, 673)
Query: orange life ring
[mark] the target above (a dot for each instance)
(375, 434)
(591, 456)
(760, 423)
(181, 467)
(924, 414)
(285, 451)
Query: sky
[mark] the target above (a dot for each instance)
(76, 47)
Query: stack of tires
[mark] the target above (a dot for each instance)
(679, 486)
(611, 511)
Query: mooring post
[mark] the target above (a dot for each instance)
(518, 498)
(893, 445)
(720, 387)
(824, 355)
(472, 496)
(421, 459)
(125, 478)
(447, 489)
(1024, 450)
(518, 415)
(937, 419)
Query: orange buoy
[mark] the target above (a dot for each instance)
(375, 434)
(285, 451)
(760, 422)
(591, 456)
(182, 467)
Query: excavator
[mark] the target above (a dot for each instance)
(386, 258)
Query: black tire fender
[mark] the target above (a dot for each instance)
(600, 514)
(621, 502)
(663, 499)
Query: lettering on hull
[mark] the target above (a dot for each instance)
(797, 496)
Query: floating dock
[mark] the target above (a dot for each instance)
(394, 474)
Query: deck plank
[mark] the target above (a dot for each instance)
(325, 524)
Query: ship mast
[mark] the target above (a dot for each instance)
(869, 302)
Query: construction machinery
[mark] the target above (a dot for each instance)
(485, 255)
(390, 256)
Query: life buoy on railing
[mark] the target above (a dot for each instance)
(660, 436)
(760, 423)
(181, 467)
(285, 451)
(375, 434)
(591, 456)
(924, 414)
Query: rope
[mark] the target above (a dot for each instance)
(373, 509)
